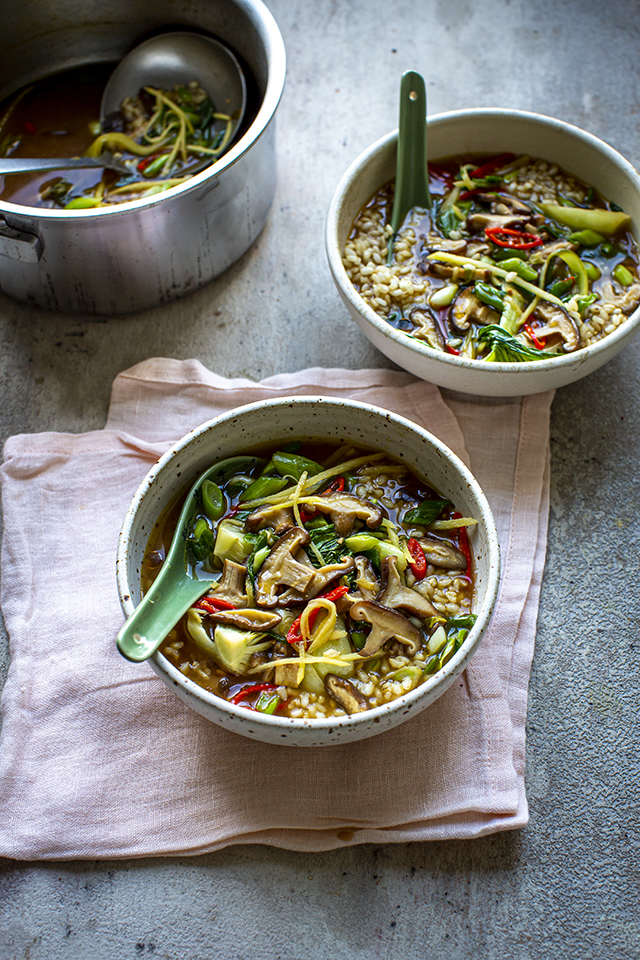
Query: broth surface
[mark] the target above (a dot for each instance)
(53, 119)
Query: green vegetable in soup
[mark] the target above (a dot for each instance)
(213, 500)
(426, 512)
(505, 348)
(292, 465)
(231, 649)
(231, 543)
(605, 222)
(201, 541)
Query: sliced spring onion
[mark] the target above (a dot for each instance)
(498, 272)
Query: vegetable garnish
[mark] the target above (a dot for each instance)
(250, 689)
(427, 512)
(295, 634)
(418, 560)
(463, 543)
(538, 344)
(514, 239)
(507, 348)
(485, 267)
(212, 605)
(502, 160)
(606, 222)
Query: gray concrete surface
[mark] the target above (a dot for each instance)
(567, 885)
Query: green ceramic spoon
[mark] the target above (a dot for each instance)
(175, 588)
(412, 175)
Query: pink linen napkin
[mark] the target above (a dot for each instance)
(99, 759)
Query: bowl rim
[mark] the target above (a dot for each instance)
(348, 291)
(373, 715)
(276, 57)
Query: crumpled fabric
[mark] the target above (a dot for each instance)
(98, 759)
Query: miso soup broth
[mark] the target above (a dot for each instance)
(343, 581)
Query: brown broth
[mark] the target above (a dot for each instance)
(53, 119)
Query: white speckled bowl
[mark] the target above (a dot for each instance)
(483, 132)
(299, 418)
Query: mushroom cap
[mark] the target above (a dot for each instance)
(478, 222)
(442, 553)
(385, 625)
(428, 327)
(467, 307)
(258, 621)
(271, 515)
(231, 585)
(345, 508)
(558, 320)
(395, 594)
(345, 694)
(366, 581)
(282, 569)
(288, 566)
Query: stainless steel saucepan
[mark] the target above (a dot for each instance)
(136, 255)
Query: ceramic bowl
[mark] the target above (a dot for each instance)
(300, 418)
(484, 132)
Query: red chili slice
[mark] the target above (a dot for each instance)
(500, 161)
(540, 344)
(294, 635)
(144, 163)
(212, 605)
(472, 193)
(29, 127)
(334, 594)
(463, 544)
(336, 486)
(514, 239)
(252, 688)
(418, 559)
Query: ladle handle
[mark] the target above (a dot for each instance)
(165, 602)
(9, 165)
(412, 174)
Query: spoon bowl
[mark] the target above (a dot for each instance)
(177, 586)
(171, 59)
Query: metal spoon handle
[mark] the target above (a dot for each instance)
(412, 175)
(30, 165)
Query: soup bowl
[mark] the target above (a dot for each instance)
(483, 132)
(257, 425)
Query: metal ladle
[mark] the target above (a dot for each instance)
(176, 588)
(164, 61)
(412, 174)
(174, 59)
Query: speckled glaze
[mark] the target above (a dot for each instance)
(301, 418)
(489, 132)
